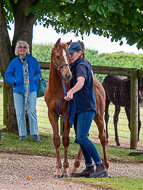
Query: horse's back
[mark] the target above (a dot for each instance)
(117, 89)
(100, 98)
(110, 80)
(98, 88)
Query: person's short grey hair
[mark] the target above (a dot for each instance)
(16, 47)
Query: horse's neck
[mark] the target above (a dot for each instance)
(55, 81)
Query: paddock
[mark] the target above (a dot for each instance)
(45, 127)
(123, 129)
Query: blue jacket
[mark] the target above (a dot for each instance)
(85, 97)
(14, 74)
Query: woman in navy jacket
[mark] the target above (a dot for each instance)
(82, 90)
(23, 73)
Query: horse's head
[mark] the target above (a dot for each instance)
(60, 59)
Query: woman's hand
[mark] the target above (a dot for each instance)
(77, 87)
(69, 96)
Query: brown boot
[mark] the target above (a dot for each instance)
(100, 171)
(85, 173)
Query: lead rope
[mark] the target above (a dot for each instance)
(71, 106)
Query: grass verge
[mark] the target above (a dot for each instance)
(10, 141)
(114, 183)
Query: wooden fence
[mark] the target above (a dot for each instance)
(133, 73)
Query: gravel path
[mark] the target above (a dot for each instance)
(15, 168)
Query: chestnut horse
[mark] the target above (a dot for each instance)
(59, 68)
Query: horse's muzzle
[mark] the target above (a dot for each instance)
(67, 76)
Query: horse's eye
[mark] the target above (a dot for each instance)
(57, 57)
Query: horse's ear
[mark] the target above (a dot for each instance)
(58, 42)
(68, 43)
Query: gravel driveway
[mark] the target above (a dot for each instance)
(15, 168)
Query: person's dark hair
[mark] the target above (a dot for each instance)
(81, 44)
(83, 48)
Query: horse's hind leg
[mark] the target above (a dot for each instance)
(77, 162)
(107, 116)
(102, 136)
(117, 111)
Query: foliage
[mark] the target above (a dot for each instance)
(120, 59)
(42, 52)
(116, 18)
(1, 77)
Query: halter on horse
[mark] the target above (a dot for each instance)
(59, 69)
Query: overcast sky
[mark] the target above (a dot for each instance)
(46, 36)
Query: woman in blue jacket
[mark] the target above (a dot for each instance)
(82, 90)
(23, 73)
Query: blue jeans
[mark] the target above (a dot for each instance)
(82, 125)
(31, 112)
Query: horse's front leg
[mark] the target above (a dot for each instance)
(56, 139)
(102, 136)
(66, 142)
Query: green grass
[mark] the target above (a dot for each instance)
(120, 183)
(11, 142)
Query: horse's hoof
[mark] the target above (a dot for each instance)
(71, 174)
(64, 175)
(56, 176)
(119, 145)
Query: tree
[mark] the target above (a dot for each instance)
(116, 18)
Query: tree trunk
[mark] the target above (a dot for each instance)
(23, 31)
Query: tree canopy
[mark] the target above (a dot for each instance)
(111, 18)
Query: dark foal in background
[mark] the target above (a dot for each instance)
(117, 89)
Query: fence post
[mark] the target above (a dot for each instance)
(134, 109)
(4, 105)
